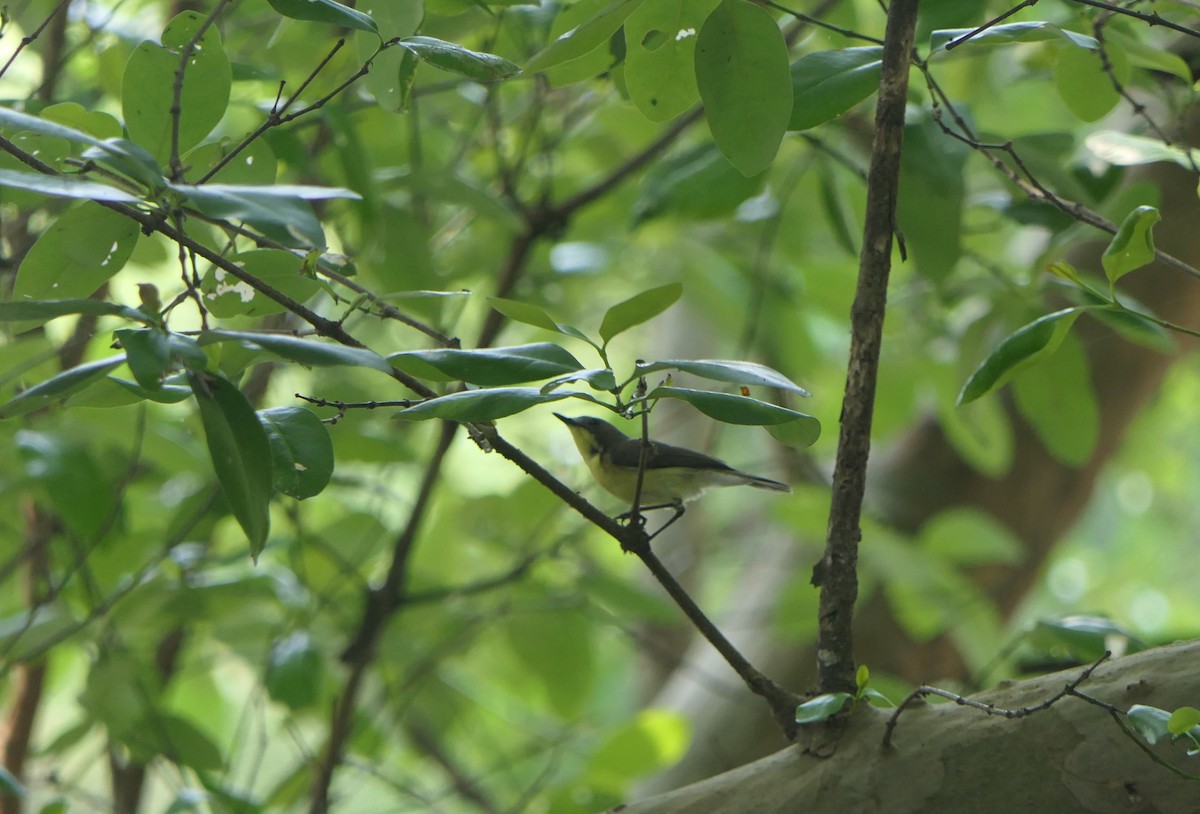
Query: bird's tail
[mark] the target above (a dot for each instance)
(765, 483)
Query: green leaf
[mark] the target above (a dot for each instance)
(129, 159)
(148, 353)
(45, 310)
(34, 124)
(80, 251)
(301, 450)
(660, 55)
(558, 650)
(304, 351)
(1146, 55)
(279, 211)
(60, 386)
(176, 739)
(1083, 83)
(799, 433)
(596, 61)
(822, 708)
(294, 671)
(149, 83)
(483, 405)
(77, 487)
(1151, 723)
(1023, 348)
(93, 122)
(240, 452)
(733, 409)
(825, 84)
(584, 38)
(699, 183)
(490, 366)
(325, 11)
(1126, 150)
(1183, 719)
(1132, 246)
(744, 79)
(1036, 31)
(226, 296)
(1086, 636)
(726, 370)
(1057, 399)
(170, 392)
(652, 741)
(932, 197)
(602, 379)
(532, 315)
(64, 186)
(638, 309)
(457, 59)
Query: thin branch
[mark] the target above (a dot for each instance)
(1152, 19)
(276, 117)
(989, 709)
(957, 41)
(37, 32)
(176, 109)
(836, 573)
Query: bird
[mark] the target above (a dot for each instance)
(672, 476)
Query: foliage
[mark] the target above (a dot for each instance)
(401, 211)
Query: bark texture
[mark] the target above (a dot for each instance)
(948, 759)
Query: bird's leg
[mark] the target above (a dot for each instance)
(679, 510)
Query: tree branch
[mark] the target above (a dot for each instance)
(836, 573)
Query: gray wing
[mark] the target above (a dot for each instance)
(661, 456)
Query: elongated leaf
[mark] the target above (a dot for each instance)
(43, 310)
(1084, 80)
(532, 315)
(826, 84)
(60, 386)
(1056, 397)
(727, 370)
(240, 453)
(483, 405)
(822, 708)
(698, 183)
(1125, 150)
(455, 58)
(1132, 246)
(34, 124)
(602, 379)
(800, 433)
(325, 11)
(584, 38)
(64, 186)
(491, 366)
(1035, 31)
(81, 250)
(638, 309)
(1021, 349)
(734, 409)
(744, 79)
(302, 450)
(280, 212)
(304, 351)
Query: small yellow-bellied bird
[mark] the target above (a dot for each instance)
(672, 475)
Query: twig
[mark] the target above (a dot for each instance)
(957, 41)
(989, 709)
(836, 573)
(1152, 18)
(176, 109)
(33, 35)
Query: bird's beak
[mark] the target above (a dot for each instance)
(570, 422)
